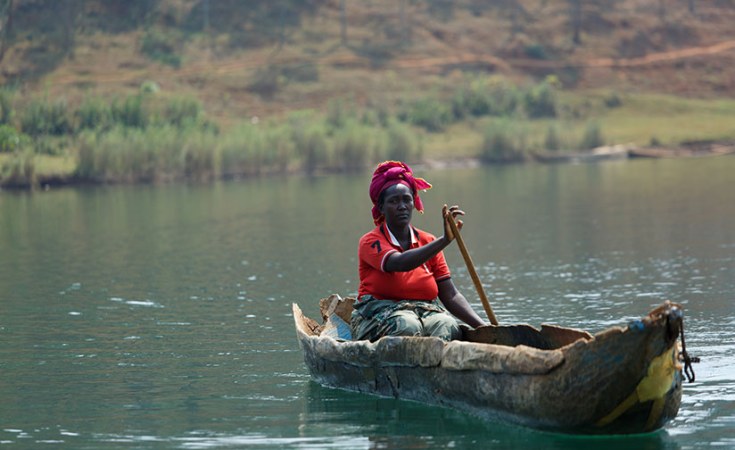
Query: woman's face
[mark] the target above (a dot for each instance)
(397, 206)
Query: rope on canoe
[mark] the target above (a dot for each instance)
(688, 360)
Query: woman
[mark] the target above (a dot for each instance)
(402, 269)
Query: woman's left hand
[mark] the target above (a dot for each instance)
(451, 213)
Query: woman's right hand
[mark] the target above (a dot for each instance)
(451, 213)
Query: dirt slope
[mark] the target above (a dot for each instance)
(392, 49)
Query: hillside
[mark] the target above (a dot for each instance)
(243, 59)
(109, 91)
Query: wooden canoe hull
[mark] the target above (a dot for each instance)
(600, 385)
(691, 151)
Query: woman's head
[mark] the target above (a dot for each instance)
(392, 173)
(396, 204)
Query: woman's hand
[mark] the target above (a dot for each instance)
(451, 213)
(414, 257)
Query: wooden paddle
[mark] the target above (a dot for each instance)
(471, 269)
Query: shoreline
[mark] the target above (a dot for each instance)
(693, 150)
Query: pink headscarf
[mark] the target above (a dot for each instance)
(389, 173)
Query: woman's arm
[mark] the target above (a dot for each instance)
(413, 258)
(457, 304)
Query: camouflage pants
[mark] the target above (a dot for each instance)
(373, 319)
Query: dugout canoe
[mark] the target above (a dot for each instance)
(623, 380)
(688, 150)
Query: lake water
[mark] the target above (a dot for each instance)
(160, 317)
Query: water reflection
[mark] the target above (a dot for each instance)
(402, 424)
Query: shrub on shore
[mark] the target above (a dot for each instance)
(19, 170)
(402, 144)
(312, 146)
(134, 155)
(592, 137)
(10, 139)
(486, 96)
(352, 147)
(6, 107)
(428, 112)
(552, 141)
(46, 118)
(93, 114)
(503, 142)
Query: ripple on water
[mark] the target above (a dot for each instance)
(203, 440)
(144, 303)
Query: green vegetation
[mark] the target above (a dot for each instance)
(429, 113)
(42, 117)
(10, 139)
(486, 96)
(162, 46)
(6, 107)
(551, 141)
(148, 137)
(19, 170)
(504, 142)
(592, 137)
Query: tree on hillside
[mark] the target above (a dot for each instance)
(441, 9)
(6, 22)
(68, 12)
(129, 13)
(403, 23)
(590, 15)
(517, 13)
(249, 23)
(662, 10)
(575, 16)
(342, 22)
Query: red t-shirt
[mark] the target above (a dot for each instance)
(417, 284)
